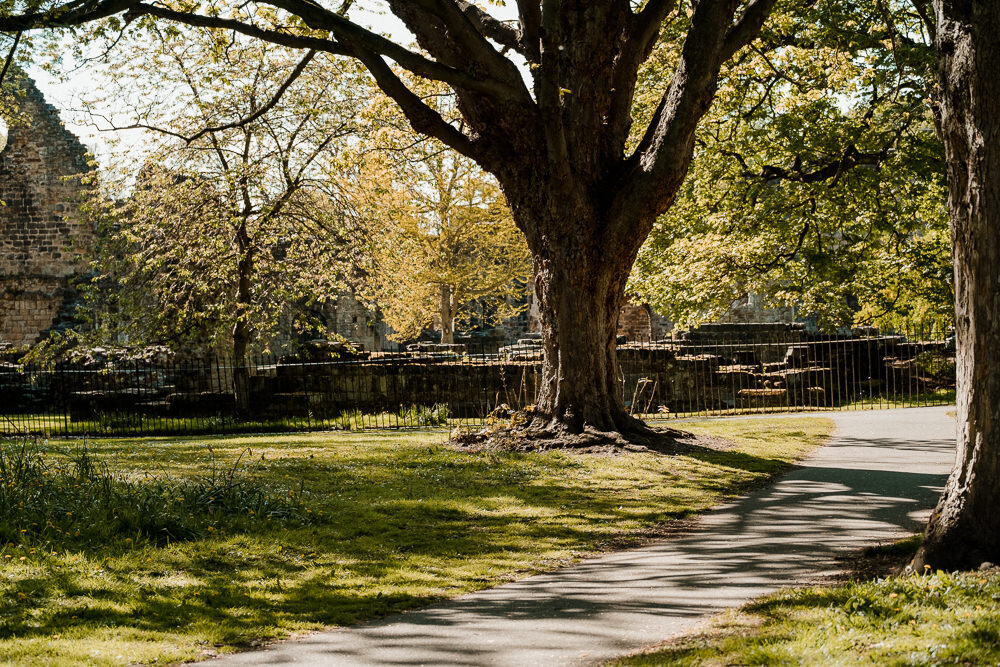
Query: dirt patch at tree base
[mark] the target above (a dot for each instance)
(662, 440)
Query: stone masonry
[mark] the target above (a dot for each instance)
(41, 236)
(639, 322)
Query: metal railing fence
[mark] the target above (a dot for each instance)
(707, 373)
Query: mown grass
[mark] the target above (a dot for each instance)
(911, 619)
(368, 524)
(129, 424)
(902, 400)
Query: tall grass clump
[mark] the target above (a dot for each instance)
(74, 499)
(425, 415)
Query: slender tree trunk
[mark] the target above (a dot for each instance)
(241, 328)
(241, 374)
(447, 312)
(964, 530)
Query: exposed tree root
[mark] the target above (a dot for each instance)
(956, 546)
(640, 438)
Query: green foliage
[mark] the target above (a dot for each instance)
(444, 252)
(79, 501)
(818, 178)
(937, 365)
(11, 93)
(425, 415)
(231, 229)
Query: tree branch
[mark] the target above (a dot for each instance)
(781, 257)
(448, 34)
(10, 56)
(69, 14)
(652, 174)
(850, 159)
(423, 119)
(646, 24)
(357, 39)
(530, 15)
(747, 27)
(653, 170)
(643, 33)
(549, 91)
(262, 110)
(217, 22)
(490, 27)
(926, 14)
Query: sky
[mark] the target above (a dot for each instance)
(66, 95)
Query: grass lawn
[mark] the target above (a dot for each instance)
(930, 619)
(166, 550)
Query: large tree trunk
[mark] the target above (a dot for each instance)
(579, 281)
(965, 528)
(579, 302)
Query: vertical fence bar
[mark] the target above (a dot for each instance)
(850, 350)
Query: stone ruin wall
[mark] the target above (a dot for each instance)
(749, 309)
(41, 237)
(639, 322)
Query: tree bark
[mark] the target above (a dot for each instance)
(964, 529)
(447, 314)
(241, 374)
(580, 302)
(241, 328)
(579, 282)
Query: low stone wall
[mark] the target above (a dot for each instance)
(470, 390)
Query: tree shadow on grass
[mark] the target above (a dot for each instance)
(385, 519)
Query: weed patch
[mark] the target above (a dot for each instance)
(76, 500)
(425, 415)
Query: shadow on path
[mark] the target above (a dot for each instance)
(875, 481)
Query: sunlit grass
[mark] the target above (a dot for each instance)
(129, 424)
(939, 619)
(931, 618)
(396, 521)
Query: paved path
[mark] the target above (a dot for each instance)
(875, 481)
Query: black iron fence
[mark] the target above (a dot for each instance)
(712, 371)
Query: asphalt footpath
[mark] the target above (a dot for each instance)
(875, 481)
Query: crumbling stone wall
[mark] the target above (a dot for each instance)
(348, 317)
(749, 309)
(639, 322)
(41, 236)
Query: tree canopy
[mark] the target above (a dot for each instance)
(228, 231)
(441, 250)
(818, 177)
(446, 252)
